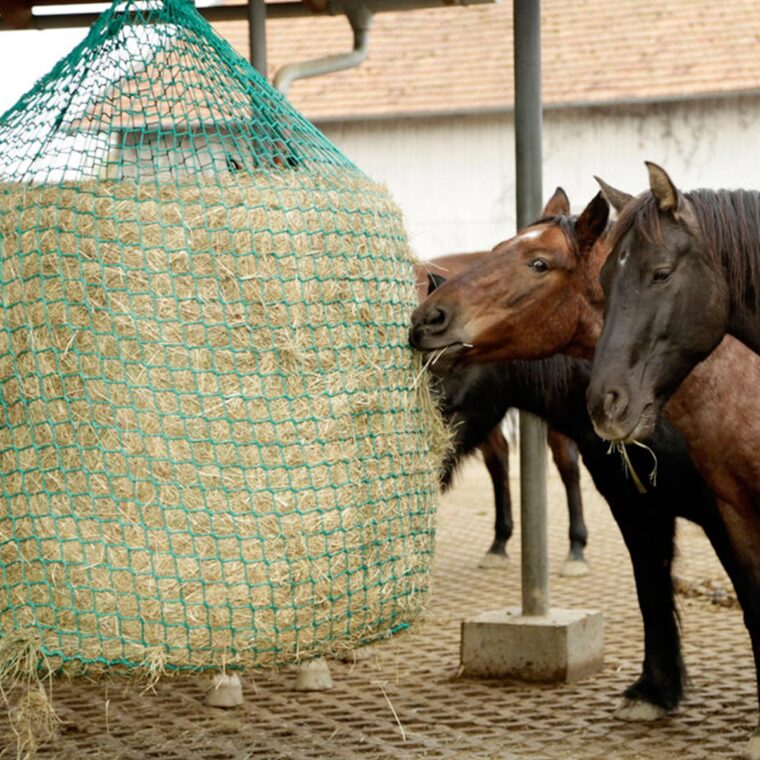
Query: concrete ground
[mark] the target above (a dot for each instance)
(408, 700)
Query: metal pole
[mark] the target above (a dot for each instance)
(527, 46)
(257, 35)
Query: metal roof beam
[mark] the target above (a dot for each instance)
(217, 13)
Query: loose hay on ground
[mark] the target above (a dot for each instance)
(210, 449)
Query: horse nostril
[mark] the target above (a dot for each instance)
(438, 318)
(427, 322)
(615, 403)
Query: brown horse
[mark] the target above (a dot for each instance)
(716, 409)
(684, 270)
(473, 315)
(495, 447)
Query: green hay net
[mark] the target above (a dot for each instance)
(213, 450)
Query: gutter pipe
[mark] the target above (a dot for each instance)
(360, 17)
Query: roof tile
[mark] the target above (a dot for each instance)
(460, 59)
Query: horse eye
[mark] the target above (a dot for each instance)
(661, 275)
(538, 265)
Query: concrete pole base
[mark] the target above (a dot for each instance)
(226, 691)
(565, 645)
(313, 675)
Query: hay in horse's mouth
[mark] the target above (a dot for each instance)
(457, 345)
(619, 446)
(439, 360)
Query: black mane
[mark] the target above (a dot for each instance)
(729, 222)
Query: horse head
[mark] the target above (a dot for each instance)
(657, 271)
(528, 298)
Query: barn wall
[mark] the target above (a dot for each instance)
(454, 176)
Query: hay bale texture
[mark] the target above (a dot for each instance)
(212, 450)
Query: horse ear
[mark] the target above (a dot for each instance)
(558, 204)
(592, 222)
(662, 188)
(617, 198)
(434, 281)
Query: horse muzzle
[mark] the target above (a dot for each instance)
(616, 416)
(431, 328)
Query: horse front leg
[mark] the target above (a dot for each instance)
(752, 621)
(739, 555)
(495, 450)
(648, 534)
(567, 460)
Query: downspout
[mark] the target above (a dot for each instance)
(360, 18)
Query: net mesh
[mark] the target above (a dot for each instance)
(212, 447)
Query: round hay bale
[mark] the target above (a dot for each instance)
(212, 446)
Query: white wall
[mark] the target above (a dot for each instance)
(454, 177)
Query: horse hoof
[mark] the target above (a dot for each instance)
(574, 568)
(493, 561)
(752, 750)
(638, 711)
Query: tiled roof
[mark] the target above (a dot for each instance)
(459, 59)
